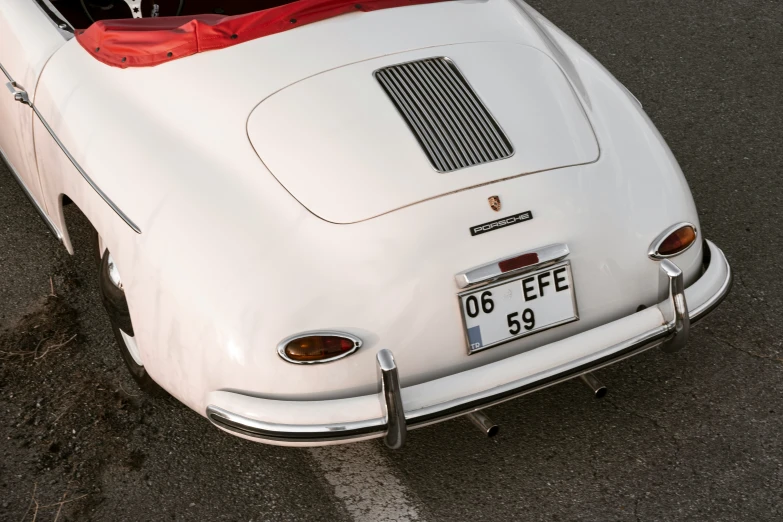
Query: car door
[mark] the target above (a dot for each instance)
(28, 37)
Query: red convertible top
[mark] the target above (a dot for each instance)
(144, 42)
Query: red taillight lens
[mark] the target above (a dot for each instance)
(319, 347)
(676, 241)
(518, 262)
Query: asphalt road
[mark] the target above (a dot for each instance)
(690, 436)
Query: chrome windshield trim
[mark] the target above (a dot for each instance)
(41, 212)
(357, 343)
(56, 17)
(22, 96)
(491, 272)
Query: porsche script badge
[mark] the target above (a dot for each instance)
(501, 223)
(494, 203)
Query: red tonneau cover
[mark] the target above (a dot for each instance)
(144, 42)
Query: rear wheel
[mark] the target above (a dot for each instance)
(113, 297)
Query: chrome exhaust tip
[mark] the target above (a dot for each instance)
(596, 386)
(484, 423)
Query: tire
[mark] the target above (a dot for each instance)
(116, 306)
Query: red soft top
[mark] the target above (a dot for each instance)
(144, 42)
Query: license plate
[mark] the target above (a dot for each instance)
(508, 310)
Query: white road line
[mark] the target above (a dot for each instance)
(364, 482)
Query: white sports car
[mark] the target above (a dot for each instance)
(328, 221)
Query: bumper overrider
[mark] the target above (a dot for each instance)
(394, 410)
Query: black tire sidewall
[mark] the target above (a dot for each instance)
(138, 372)
(116, 306)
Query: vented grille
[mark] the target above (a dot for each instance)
(452, 125)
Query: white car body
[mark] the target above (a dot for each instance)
(275, 190)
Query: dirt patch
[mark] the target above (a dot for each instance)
(50, 327)
(80, 441)
(63, 416)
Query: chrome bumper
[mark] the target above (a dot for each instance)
(671, 336)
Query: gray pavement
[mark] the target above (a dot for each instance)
(690, 436)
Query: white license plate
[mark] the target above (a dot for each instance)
(508, 310)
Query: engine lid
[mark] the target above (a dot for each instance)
(355, 142)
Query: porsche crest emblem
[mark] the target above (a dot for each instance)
(494, 203)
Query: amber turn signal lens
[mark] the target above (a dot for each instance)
(319, 348)
(677, 241)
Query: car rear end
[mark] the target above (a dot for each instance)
(470, 284)
(426, 225)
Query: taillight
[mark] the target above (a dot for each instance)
(318, 347)
(515, 263)
(674, 240)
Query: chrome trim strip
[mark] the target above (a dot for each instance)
(653, 253)
(490, 272)
(394, 413)
(86, 177)
(357, 343)
(49, 223)
(6, 73)
(292, 432)
(21, 96)
(673, 306)
(443, 411)
(11, 80)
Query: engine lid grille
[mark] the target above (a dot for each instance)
(445, 114)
